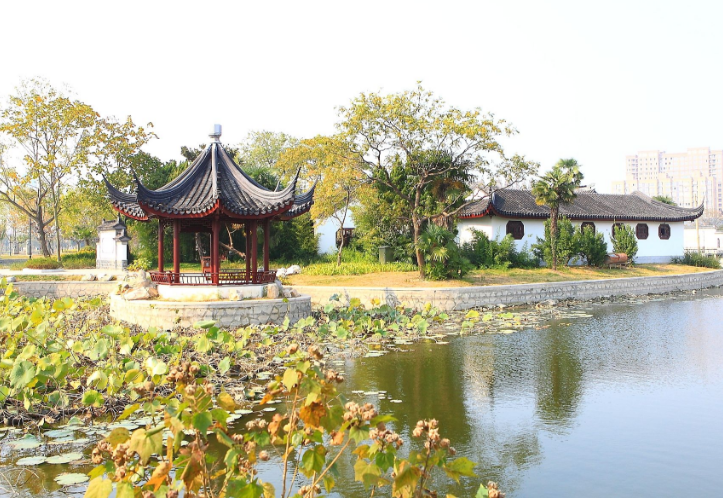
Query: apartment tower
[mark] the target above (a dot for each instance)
(689, 178)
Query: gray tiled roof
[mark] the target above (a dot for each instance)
(588, 205)
(213, 181)
(111, 224)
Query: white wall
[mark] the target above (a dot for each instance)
(327, 233)
(650, 250)
(710, 239)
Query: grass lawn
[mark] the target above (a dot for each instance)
(491, 277)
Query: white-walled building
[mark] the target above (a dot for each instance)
(706, 239)
(327, 233)
(658, 226)
(112, 246)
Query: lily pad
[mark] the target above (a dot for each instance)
(27, 442)
(35, 460)
(244, 412)
(74, 421)
(269, 409)
(65, 458)
(71, 479)
(70, 440)
(56, 433)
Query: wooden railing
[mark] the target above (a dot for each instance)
(226, 277)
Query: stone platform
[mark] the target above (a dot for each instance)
(195, 293)
(169, 314)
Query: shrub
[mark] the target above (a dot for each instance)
(566, 250)
(697, 259)
(498, 253)
(590, 245)
(85, 258)
(40, 264)
(443, 257)
(624, 240)
(140, 264)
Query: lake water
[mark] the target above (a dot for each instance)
(626, 402)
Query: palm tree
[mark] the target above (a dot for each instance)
(554, 188)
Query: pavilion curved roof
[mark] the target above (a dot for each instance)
(588, 205)
(212, 183)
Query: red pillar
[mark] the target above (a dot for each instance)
(267, 226)
(254, 250)
(176, 250)
(247, 229)
(215, 266)
(160, 245)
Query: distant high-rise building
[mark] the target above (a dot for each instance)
(689, 178)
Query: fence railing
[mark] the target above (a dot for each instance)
(227, 277)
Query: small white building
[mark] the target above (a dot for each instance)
(706, 239)
(329, 233)
(658, 226)
(112, 247)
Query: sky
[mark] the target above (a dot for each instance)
(594, 81)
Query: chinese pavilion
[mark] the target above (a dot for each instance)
(211, 192)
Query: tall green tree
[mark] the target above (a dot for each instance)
(554, 188)
(54, 134)
(339, 182)
(407, 142)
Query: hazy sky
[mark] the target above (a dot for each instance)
(590, 80)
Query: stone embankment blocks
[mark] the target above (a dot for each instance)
(461, 298)
(59, 290)
(166, 315)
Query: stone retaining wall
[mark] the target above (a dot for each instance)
(166, 315)
(57, 290)
(460, 298)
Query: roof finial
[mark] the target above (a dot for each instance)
(216, 133)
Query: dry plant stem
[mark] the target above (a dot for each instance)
(315, 482)
(423, 478)
(296, 470)
(288, 442)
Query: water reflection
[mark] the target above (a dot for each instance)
(575, 405)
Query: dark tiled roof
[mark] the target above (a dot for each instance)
(111, 224)
(213, 181)
(302, 204)
(588, 205)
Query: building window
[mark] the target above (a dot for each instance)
(346, 233)
(589, 225)
(664, 231)
(616, 225)
(516, 229)
(641, 231)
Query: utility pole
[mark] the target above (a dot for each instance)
(697, 231)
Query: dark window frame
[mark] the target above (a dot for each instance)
(515, 228)
(347, 233)
(588, 224)
(664, 231)
(641, 231)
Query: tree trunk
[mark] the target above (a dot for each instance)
(417, 225)
(42, 237)
(341, 247)
(232, 249)
(57, 223)
(553, 237)
(199, 246)
(341, 227)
